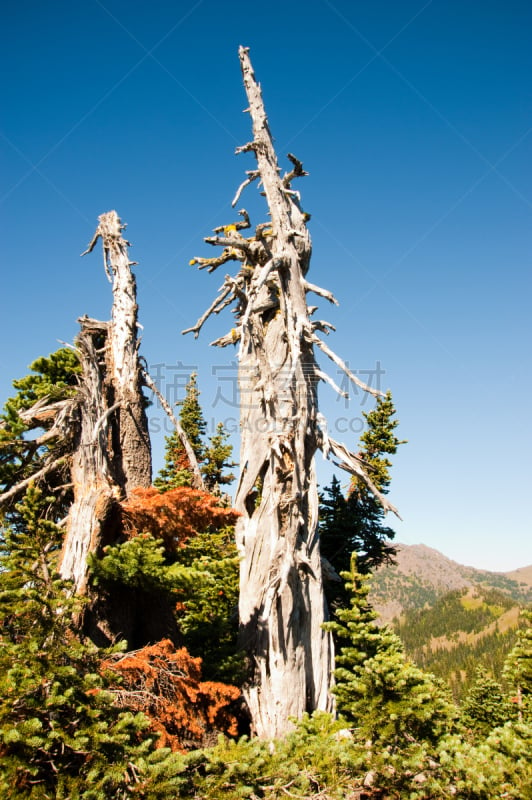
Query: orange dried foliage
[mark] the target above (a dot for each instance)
(165, 684)
(176, 515)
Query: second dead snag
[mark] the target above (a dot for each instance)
(282, 604)
(112, 452)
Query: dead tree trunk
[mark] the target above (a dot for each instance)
(282, 604)
(112, 452)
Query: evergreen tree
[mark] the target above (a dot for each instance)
(518, 668)
(217, 458)
(213, 458)
(191, 416)
(61, 733)
(355, 523)
(485, 706)
(386, 696)
(26, 445)
(208, 613)
(176, 471)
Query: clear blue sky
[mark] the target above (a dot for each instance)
(414, 120)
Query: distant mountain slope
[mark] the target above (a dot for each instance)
(522, 576)
(464, 629)
(451, 618)
(422, 575)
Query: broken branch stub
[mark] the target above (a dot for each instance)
(281, 605)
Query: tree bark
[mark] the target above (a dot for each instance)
(282, 605)
(111, 448)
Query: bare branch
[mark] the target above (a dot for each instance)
(323, 326)
(240, 225)
(296, 172)
(311, 287)
(246, 148)
(252, 174)
(263, 231)
(42, 410)
(210, 264)
(92, 243)
(19, 487)
(216, 306)
(232, 337)
(225, 241)
(327, 378)
(353, 464)
(102, 420)
(343, 366)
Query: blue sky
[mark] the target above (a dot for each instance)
(414, 120)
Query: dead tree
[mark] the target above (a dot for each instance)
(282, 604)
(111, 450)
(97, 437)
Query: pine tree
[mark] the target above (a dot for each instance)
(518, 668)
(26, 444)
(354, 523)
(377, 689)
(61, 733)
(217, 459)
(176, 471)
(485, 706)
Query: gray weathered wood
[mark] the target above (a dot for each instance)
(111, 453)
(282, 604)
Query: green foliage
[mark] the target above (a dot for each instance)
(310, 758)
(386, 696)
(208, 614)
(379, 440)
(519, 663)
(61, 733)
(450, 614)
(176, 471)
(323, 759)
(142, 563)
(355, 523)
(213, 458)
(202, 578)
(352, 523)
(518, 668)
(485, 706)
(217, 459)
(467, 632)
(55, 376)
(54, 379)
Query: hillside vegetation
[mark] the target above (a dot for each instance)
(451, 618)
(422, 575)
(462, 630)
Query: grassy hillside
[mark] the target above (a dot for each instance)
(462, 630)
(451, 618)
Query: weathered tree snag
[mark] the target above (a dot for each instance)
(282, 604)
(112, 452)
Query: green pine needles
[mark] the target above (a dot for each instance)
(378, 690)
(61, 734)
(213, 456)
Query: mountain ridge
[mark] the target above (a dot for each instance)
(422, 574)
